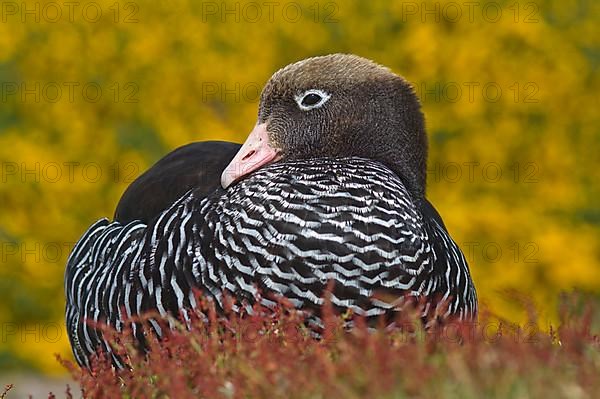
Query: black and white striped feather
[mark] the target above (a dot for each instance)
(287, 229)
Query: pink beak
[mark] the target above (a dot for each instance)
(255, 153)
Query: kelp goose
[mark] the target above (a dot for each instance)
(329, 186)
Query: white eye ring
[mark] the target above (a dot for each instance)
(310, 95)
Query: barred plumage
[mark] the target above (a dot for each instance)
(287, 229)
(339, 155)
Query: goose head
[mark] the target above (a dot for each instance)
(337, 105)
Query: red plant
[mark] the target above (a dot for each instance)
(271, 354)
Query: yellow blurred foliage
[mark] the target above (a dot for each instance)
(89, 100)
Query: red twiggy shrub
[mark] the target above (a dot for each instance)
(272, 354)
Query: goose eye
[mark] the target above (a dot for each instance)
(311, 99)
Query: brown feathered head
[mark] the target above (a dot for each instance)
(337, 105)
